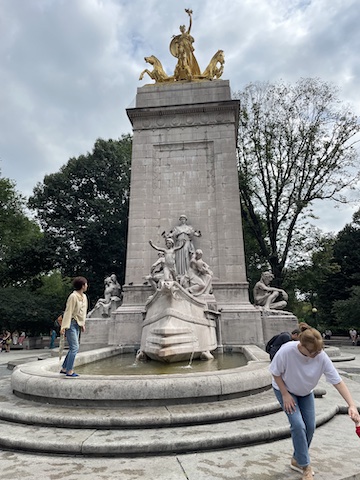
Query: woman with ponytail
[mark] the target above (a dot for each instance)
(296, 369)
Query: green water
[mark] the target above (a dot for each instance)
(126, 364)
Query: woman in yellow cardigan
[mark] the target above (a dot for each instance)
(73, 320)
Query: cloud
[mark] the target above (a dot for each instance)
(70, 68)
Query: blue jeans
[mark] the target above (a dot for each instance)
(52, 339)
(72, 337)
(302, 425)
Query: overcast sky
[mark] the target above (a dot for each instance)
(70, 68)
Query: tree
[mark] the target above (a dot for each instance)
(295, 146)
(83, 209)
(254, 261)
(34, 309)
(308, 279)
(330, 282)
(347, 312)
(339, 292)
(18, 236)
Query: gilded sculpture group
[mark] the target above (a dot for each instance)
(187, 68)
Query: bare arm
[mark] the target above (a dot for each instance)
(289, 402)
(189, 12)
(344, 392)
(261, 285)
(156, 248)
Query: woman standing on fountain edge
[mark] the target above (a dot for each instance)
(73, 320)
(296, 369)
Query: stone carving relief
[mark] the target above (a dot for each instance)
(179, 261)
(180, 320)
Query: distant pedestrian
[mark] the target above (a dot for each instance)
(328, 334)
(7, 341)
(55, 330)
(15, 337)
(277, 341)
(353, 335)
(73, 321)
(22, 338)
(53, 336)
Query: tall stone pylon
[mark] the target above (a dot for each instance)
(184, 162)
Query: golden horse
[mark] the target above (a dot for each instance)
(212, 70)
(158, 73)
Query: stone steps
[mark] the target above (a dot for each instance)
(139, 431)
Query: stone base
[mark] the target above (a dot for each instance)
(98, 331)
(276, 321)
(240, 322)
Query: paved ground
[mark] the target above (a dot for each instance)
(335, 452)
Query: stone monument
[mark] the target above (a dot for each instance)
(184, 166)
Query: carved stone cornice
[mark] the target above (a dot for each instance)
(184, 115)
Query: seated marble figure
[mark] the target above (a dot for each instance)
(156, 276)
(267, 296)
(112, 296)
(198, 277)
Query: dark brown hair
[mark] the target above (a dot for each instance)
(78, 282)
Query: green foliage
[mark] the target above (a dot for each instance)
(337, 292)
(330, 282)
(295, 145)
(34, 308)
(254, 261)
(17, 232)
(347, 312)
(83, 209)
(308, 277)
(29, 262)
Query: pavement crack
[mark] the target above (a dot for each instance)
(182, 468)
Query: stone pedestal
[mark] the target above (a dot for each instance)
(276, 321)
(97, 335)
(184, 162)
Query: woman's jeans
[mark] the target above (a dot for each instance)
(72, 337)
(302, 425)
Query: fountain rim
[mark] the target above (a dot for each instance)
(42, 382)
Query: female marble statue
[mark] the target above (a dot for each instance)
(184, 233)
(199, 275)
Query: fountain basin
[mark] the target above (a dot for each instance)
(42, 382)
